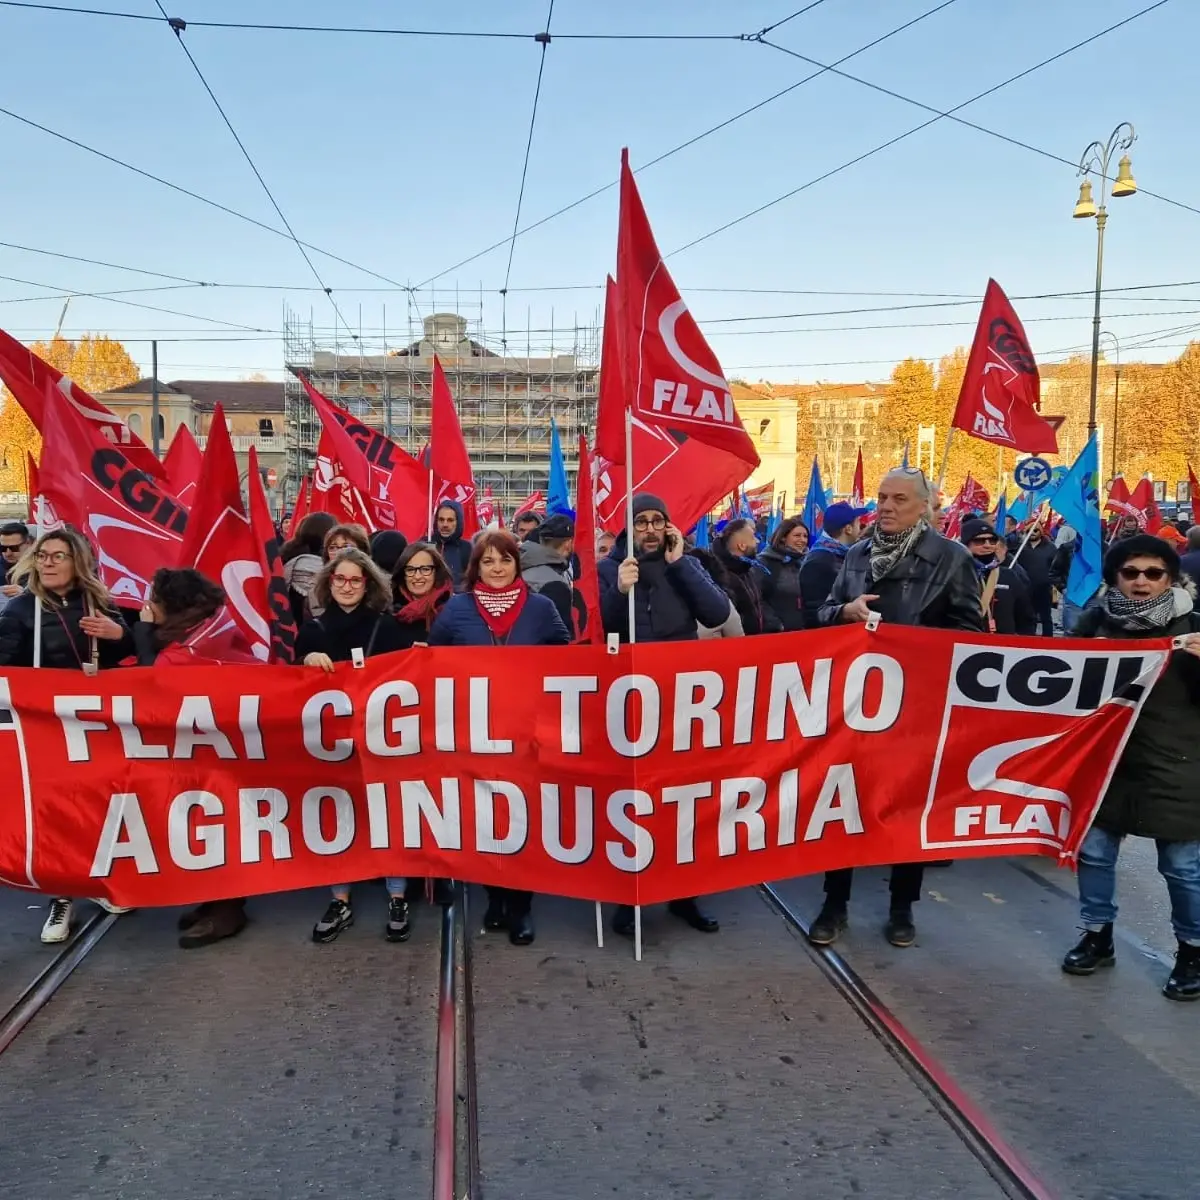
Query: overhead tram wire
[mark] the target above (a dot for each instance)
(544, 42)
(790, 17)
(693, 140)
(917, 129)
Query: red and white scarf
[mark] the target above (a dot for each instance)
(500, 607)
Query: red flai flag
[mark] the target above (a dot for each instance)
(856, 490)
(221, 545)
(585, 606)
(486, 509)
(132, 521)
(301, 508)
(448, 458)
(611, 403)
(332, 491)
(972, 497)
(672, 377)
(1001, 390)
(29, 378)
(280, 618)
(760, 499)
(531, 504)
(182, 465)
(1145, 507)
(42, 516)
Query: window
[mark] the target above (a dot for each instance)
(134, 421)
(266, 427)
(160, 428)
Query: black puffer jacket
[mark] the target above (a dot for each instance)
(745, 584)
(781, 589)
(64, 645)
(338, 633)
(1155, 790)
(935, 586)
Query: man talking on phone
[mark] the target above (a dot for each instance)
(673, 594)
(911, 575)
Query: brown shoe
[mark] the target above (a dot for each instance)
(223, 919)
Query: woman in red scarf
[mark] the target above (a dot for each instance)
(495, 608)
(422, 584)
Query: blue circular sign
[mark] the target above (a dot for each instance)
(1032, 474)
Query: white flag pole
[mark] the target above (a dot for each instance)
(39, 522)
(637, 908)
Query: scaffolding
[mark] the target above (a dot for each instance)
(505, 401)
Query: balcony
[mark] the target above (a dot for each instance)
(274, 443)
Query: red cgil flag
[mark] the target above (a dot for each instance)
(134, 524)
(181, 463)
(531, 504)
(47, 519)
(280, 618)
(1143, 506)
(856, 489)
(29, 378)
(486, 509)
(448, 459)
(759, 500)
(1001, 390)
(1118, 498)
(585, 603)
(972, 497)
(332, 491)
(220, 543)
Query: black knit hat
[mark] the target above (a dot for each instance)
(975, 527)
(645, 502)
(1140, 545)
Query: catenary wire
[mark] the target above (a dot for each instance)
(784, 20)
(692, 140)
(916, 129)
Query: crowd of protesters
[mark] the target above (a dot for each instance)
(355, 596)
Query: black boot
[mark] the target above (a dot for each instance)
(520, 928)
(496, 917)
(689, 911)
(900, 930)
(622, 922)
(1184, 983)
(829, 923)
(1094, 950)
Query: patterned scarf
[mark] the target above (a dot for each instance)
(887, 549)
(500, 607)
(825, 542)
(1140, 616)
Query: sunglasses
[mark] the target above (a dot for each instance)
(986, 540)
(1154, 574)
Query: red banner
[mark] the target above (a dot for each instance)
(630, 777)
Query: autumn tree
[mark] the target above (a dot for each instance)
(909, 403)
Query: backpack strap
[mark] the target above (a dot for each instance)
(374, 635)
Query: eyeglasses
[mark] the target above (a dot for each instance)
(1154, 574)
(347, 581)
(54, 557)
(335, 547)
(12, 549)
(644, 523)
(419, 570)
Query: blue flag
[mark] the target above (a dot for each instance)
(774, 521)
(1002, 512)
(703, 533)
(558, 496)
(814, 502)
(1077, 501)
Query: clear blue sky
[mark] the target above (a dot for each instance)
(404, 155)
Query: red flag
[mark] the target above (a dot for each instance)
(1001, 390)
(394, 487)
(181, 463)
(672, 378)
(486, 509)
(28, 378)
(280, 618)
(332, 491)
(448, 457)
(856, 489)
(531, 504)
(301, 508)
(760, 499)
(1118, 498)
(588, 625)
(972, 497)
(47, 519)
(1144, 506)
(132, 521)
(1193, 490)
(611, 404)
(221, 545)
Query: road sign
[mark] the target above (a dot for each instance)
(1031, 474)
(271, 476)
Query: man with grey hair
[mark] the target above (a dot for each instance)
(911, 575)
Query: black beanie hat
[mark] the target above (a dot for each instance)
(975, 527)
(1140, 545)
(644, 502)
(386, 547)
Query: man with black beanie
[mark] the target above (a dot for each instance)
(1004, 591)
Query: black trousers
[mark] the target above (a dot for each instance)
(1043, 607)
(516, 904)
(906, 884)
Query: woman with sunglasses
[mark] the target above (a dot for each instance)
(1155, 789)
(80, 631)
(355, 598)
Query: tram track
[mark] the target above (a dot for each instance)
(969, 1123)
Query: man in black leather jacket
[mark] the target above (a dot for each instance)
(911, 575)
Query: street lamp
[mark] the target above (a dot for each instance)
(1116, 399)
(1096, 159)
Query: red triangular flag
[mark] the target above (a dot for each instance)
(1118, 498)
(610, 404)
(182, 464)
(133, 522)
(28, 378)
(301, 508)
(1193, 490)
(280, 617)
(1144, 506)
(448, 458)
(1001, 389)
(856, 488)
(586, 607)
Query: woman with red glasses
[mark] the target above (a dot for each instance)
(1155, 789)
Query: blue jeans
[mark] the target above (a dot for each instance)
(1178, 864)
(1072, 612)
(395, 887)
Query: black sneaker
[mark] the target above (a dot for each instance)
(1184, 983)
(827, 927)
(900, 929)
(338, 916)
(398, 928)
(1094, 950)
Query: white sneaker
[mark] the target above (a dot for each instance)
(108, 906)
(58, 924)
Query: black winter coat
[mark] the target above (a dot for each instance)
(745, 587)
(935, 586)
(456, 550)
(1037, 562)
(1060, 566)
(337, 632)
(1012, 605)
(669, 600)
(1155, 790)
(781, 589)
(64, 645)
(818, 574)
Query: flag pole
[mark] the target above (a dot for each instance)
(1037, 520)
(38, 524)
(945, 461)
(429, 505)
(637, 908)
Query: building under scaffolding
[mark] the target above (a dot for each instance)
(505, 401)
